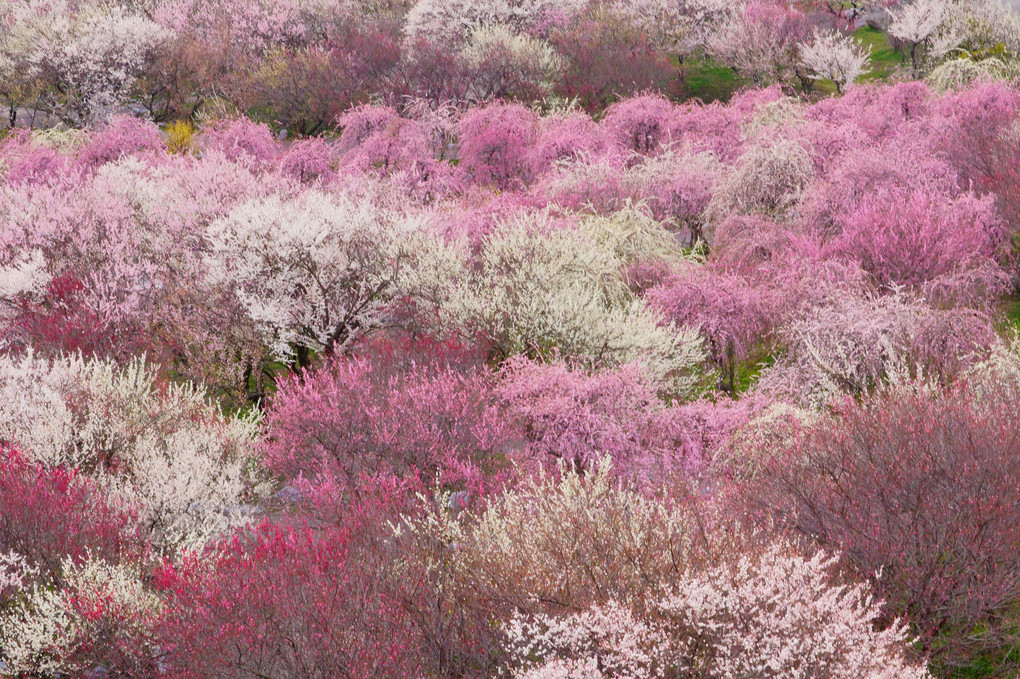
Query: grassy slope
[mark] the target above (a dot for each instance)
(884, 60)
(709, 81)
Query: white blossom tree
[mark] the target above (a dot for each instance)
(451, 22)
(87, 55)
(314, 272)
(925, 29)
(775, 614)
(836, 57)
(538, 288)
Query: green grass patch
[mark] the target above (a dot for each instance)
(1010, 308)
(884, 59)
(710, 81)
(747, 373)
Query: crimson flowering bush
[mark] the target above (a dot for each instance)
(279, 602)
(61, 321)
(97, 617)
(53, 514)
(74, 602)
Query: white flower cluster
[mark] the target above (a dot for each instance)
(836, 57)
(14, 571)
(534, 60)
(41, 631)
(452, 21)
(539, 287)
(317, 271)
(27, 276)
(772, 615)
(164, 450)
(94, 51)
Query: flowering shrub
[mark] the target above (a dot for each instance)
(359, 417)
(609, 55)
(563, 137)
(831, 56)
(768, 179)
(640, 124)
(724, 623)
(278, 601)
(550, 288)
(914, 486)
(53, 515)
(100, 616)
(91, 53)
(677, 188)
(761, 40)
(733, 316)
(492, 143)
(312, 273)
(855, 344)
(122, 136)
(576, 419)
(585, 540)
(241, 140)
(164, 450)
(309, 160)
(504, 65)
(928, 237)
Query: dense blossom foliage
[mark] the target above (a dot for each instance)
(913, 486)
(366, 415)
(301, 63)
(162, 449)
(725, 622)
(281, 602)
(448, 339)
(589, 539)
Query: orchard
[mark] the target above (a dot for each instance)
(544, 339)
